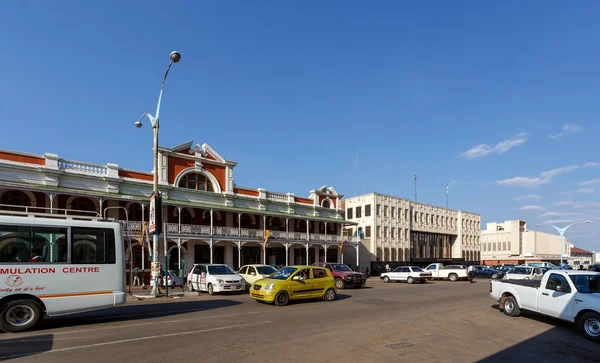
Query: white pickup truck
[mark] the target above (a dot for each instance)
(438, 271)
(568, 295)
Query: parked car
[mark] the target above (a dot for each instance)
(173, 279)
(438, 271)
(547, 265)
(343, 275)
(568, 295)
(214, 278)
(251, 273)
(595, 268)
(484, 271)
(295, 283)
(524, 273)
(409, 274)
(501, 270)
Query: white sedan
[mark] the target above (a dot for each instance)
(173, 280)
(524, 273)
(214, 278)
(251, 273)
(409, 274)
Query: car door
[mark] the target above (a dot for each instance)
(555, 303)
(301, 286)
(395, 274)
(202, 278)
(403, 273)
(252, 274)
(433, 270)
(242, 273)
(319, 281)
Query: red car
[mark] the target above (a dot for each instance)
(343, 275)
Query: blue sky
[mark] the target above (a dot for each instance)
(500, 100)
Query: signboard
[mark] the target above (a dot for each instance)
(155, 223)
(155, 269)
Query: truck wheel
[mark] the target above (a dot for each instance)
(19, 315)
(453, 277)
(339, 284)
(510, 307)
(589, 325)
(410, 280)
(282, 298)
(386, 279)
(211, 289)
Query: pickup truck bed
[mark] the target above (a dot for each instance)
(529, 283)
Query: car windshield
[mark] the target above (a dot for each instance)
(586, 284)
(417, 269)
(340, 267)
(266, 270)
(520, 270)
(284, 273)
(220, 270)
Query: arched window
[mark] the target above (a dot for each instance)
(197, 182)
(83, 204)
(15, 197)
(326, 204)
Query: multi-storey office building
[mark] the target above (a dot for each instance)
(208, 218)
(399, 230)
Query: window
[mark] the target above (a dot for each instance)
(406, 214)
(319, 273)
(406, 234)
(421, 218)
(25, 244)
(377, 231)
(196, 181)
(367, 210)
(556, 280)
(416, 216)
(503, 246)
(509, 245)
(92, 245)
(349, 213)
(243, 270)
(358, 212)
(325, 204)
(426, 217)
(484, 249)
(385, 211)
(368, 231)
(393, 211)
(393, 232)
(385, 230)
(377, 209)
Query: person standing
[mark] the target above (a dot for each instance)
(471, 270)
(136, 277)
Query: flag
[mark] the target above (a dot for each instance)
(342, 244)
(142, 241)
(266, 238)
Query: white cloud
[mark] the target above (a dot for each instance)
(588, 183)
(482, 150)
(543, 178)
(565, 203)
(586, 190)
(590, 164)
(566, 129)
(558, 214)
(531, 207)
(528, 196)
(568, 203)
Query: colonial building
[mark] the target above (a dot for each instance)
(208, 218)
(580, 257)
(399, 230)
(512, 242)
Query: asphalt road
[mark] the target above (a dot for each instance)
(435, 322)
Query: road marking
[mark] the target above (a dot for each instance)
(133, 325)
(135, 339)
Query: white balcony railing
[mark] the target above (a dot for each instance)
(82, 167)
(191, 229)
(278, 197)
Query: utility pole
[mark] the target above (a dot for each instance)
(415, 188)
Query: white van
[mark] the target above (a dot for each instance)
(57, 265)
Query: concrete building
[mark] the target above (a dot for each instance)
(595, 257)
(580, 257)
(208, 217)
(399, 230)
(512, 242)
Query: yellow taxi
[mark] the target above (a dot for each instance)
(295, 283)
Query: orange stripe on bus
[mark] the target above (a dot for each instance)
(71, 295)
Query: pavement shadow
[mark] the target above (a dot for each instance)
(541, 319)
(556, 344)
(22, 347)
(133, 312)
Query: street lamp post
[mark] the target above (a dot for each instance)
(562, 231)
(175, 58)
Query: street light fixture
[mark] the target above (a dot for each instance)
(175, 57)
(562, 231)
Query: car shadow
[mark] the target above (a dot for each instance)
(25, 346)
(133, 312)
(541, 319)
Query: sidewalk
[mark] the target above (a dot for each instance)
(139, 293)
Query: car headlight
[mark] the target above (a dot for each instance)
(269, 286)
(219, 281)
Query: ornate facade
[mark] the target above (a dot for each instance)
(207, 217)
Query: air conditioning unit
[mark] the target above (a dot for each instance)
(528, 254)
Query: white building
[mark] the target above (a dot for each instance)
(512, 242)
(580, 257)
(397, 229)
